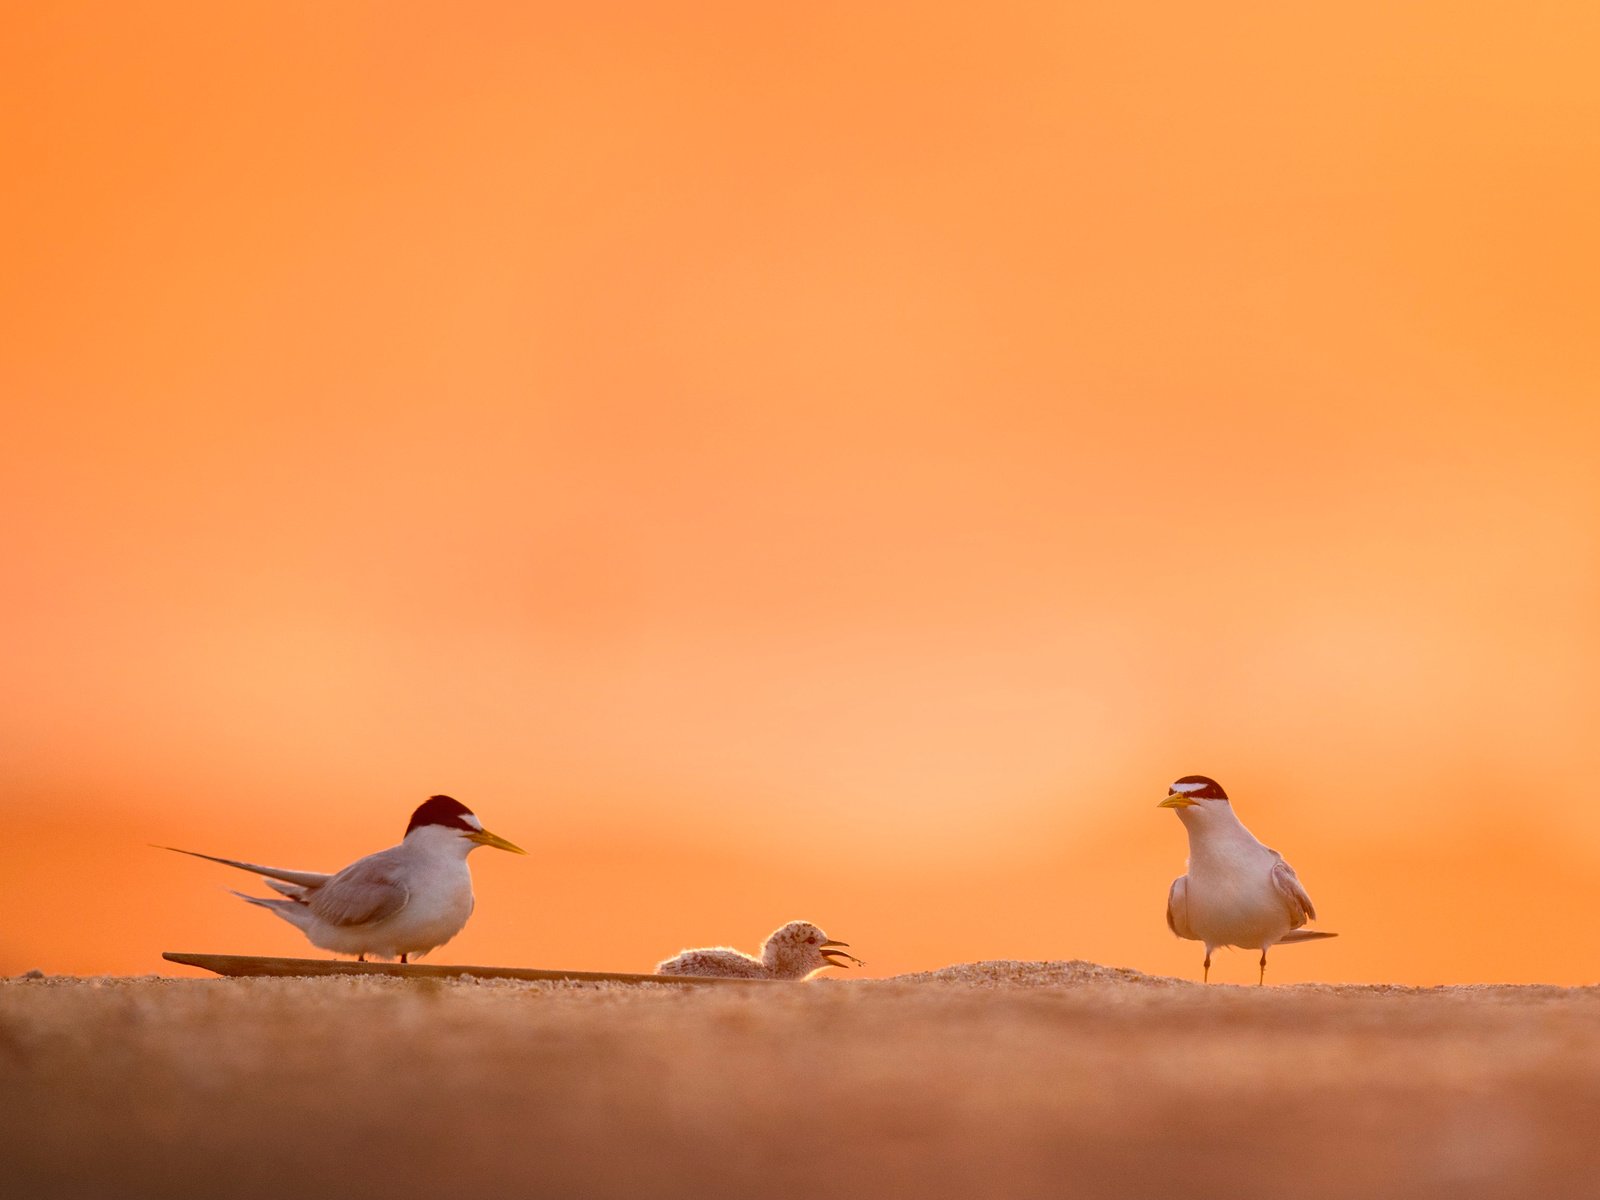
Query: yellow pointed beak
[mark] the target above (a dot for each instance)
(1177, 800)
(484, 838)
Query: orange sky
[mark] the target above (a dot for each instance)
(781, 462)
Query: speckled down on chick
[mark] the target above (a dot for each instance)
(793, 952)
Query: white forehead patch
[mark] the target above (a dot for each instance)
(1187, 787)
(472, 820)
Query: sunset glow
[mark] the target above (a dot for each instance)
(798, 462)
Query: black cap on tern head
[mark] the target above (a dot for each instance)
(1197, 787)
(443, 810)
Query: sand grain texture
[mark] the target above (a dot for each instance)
(991, 1079)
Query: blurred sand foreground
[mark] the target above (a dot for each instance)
(994, 1079)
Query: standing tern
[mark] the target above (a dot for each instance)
(408, 899)
(1237, 892)
(793, 952)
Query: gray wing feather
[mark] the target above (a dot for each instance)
(1178, 908)
(363, 893)
(1287, 885)
(302, 878)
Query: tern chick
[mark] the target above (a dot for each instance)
(793, 952)
(1237, 892)
(405, 900)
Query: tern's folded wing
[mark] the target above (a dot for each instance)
(1287, 884)
(362, 893)
(1178, 908)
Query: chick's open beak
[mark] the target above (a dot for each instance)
(1177, 800)
(484, 838)
(829, 952)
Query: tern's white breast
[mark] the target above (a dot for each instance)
(1231, 898)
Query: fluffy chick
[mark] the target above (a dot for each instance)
(793, 952)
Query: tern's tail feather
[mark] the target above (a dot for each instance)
(291, 911)
(303, 878)
(1303, 935)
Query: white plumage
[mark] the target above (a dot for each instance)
(403, 901)
(1237, 892)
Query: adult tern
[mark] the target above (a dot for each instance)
(399, 902)
(1237, 892)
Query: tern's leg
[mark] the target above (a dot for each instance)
(361, 958)
(1206, 978)
(1263, 978)
(402, 958)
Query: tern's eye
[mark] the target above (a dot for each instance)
(812, 940)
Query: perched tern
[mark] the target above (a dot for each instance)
(1237, 892)
(402, 901)
(793, 952)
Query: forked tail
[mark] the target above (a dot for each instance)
(302, 878)
(292, 911)
(1303, 935)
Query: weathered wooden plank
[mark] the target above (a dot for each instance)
(248, 965)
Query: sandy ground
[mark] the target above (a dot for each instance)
(1002, 1079)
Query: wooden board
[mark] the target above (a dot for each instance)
(247, 965)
